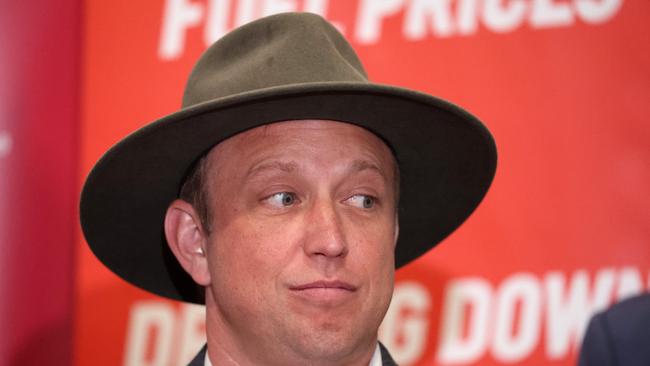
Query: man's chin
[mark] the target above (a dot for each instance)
(335, 342)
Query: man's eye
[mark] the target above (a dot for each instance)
(282, 199)
(362, 201)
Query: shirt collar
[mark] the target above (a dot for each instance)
(374, 361)
(376, 357)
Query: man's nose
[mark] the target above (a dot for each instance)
(326, 237)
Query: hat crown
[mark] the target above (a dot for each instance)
(280, 50)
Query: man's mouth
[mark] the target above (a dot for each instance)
(324, 292)
(325, 284)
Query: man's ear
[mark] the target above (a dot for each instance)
(396, 231)
(188, 240)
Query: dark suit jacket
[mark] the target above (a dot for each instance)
(619, 336)
(387, 360)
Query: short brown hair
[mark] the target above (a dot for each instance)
(194, 192)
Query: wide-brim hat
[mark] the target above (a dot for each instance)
(284, 67)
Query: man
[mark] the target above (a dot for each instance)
(273, 196)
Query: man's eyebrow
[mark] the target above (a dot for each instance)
(287, 167)
(290, 167)
(360, 165)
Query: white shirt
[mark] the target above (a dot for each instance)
(374, 361)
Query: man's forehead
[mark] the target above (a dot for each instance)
(285, 145)
(308, 130)
(291, 166)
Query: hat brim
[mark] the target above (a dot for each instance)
(447, 160)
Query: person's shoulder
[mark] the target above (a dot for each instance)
(634, 305)
(619, 335)
(629, 318)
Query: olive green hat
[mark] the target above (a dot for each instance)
(284, 67)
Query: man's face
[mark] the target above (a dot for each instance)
(301, 247)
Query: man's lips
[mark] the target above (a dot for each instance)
(333, 285)
(324, 293)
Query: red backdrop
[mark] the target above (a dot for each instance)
(562, 84)
(39, 79)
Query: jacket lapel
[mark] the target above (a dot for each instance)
(386, 359)
(200, 357)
